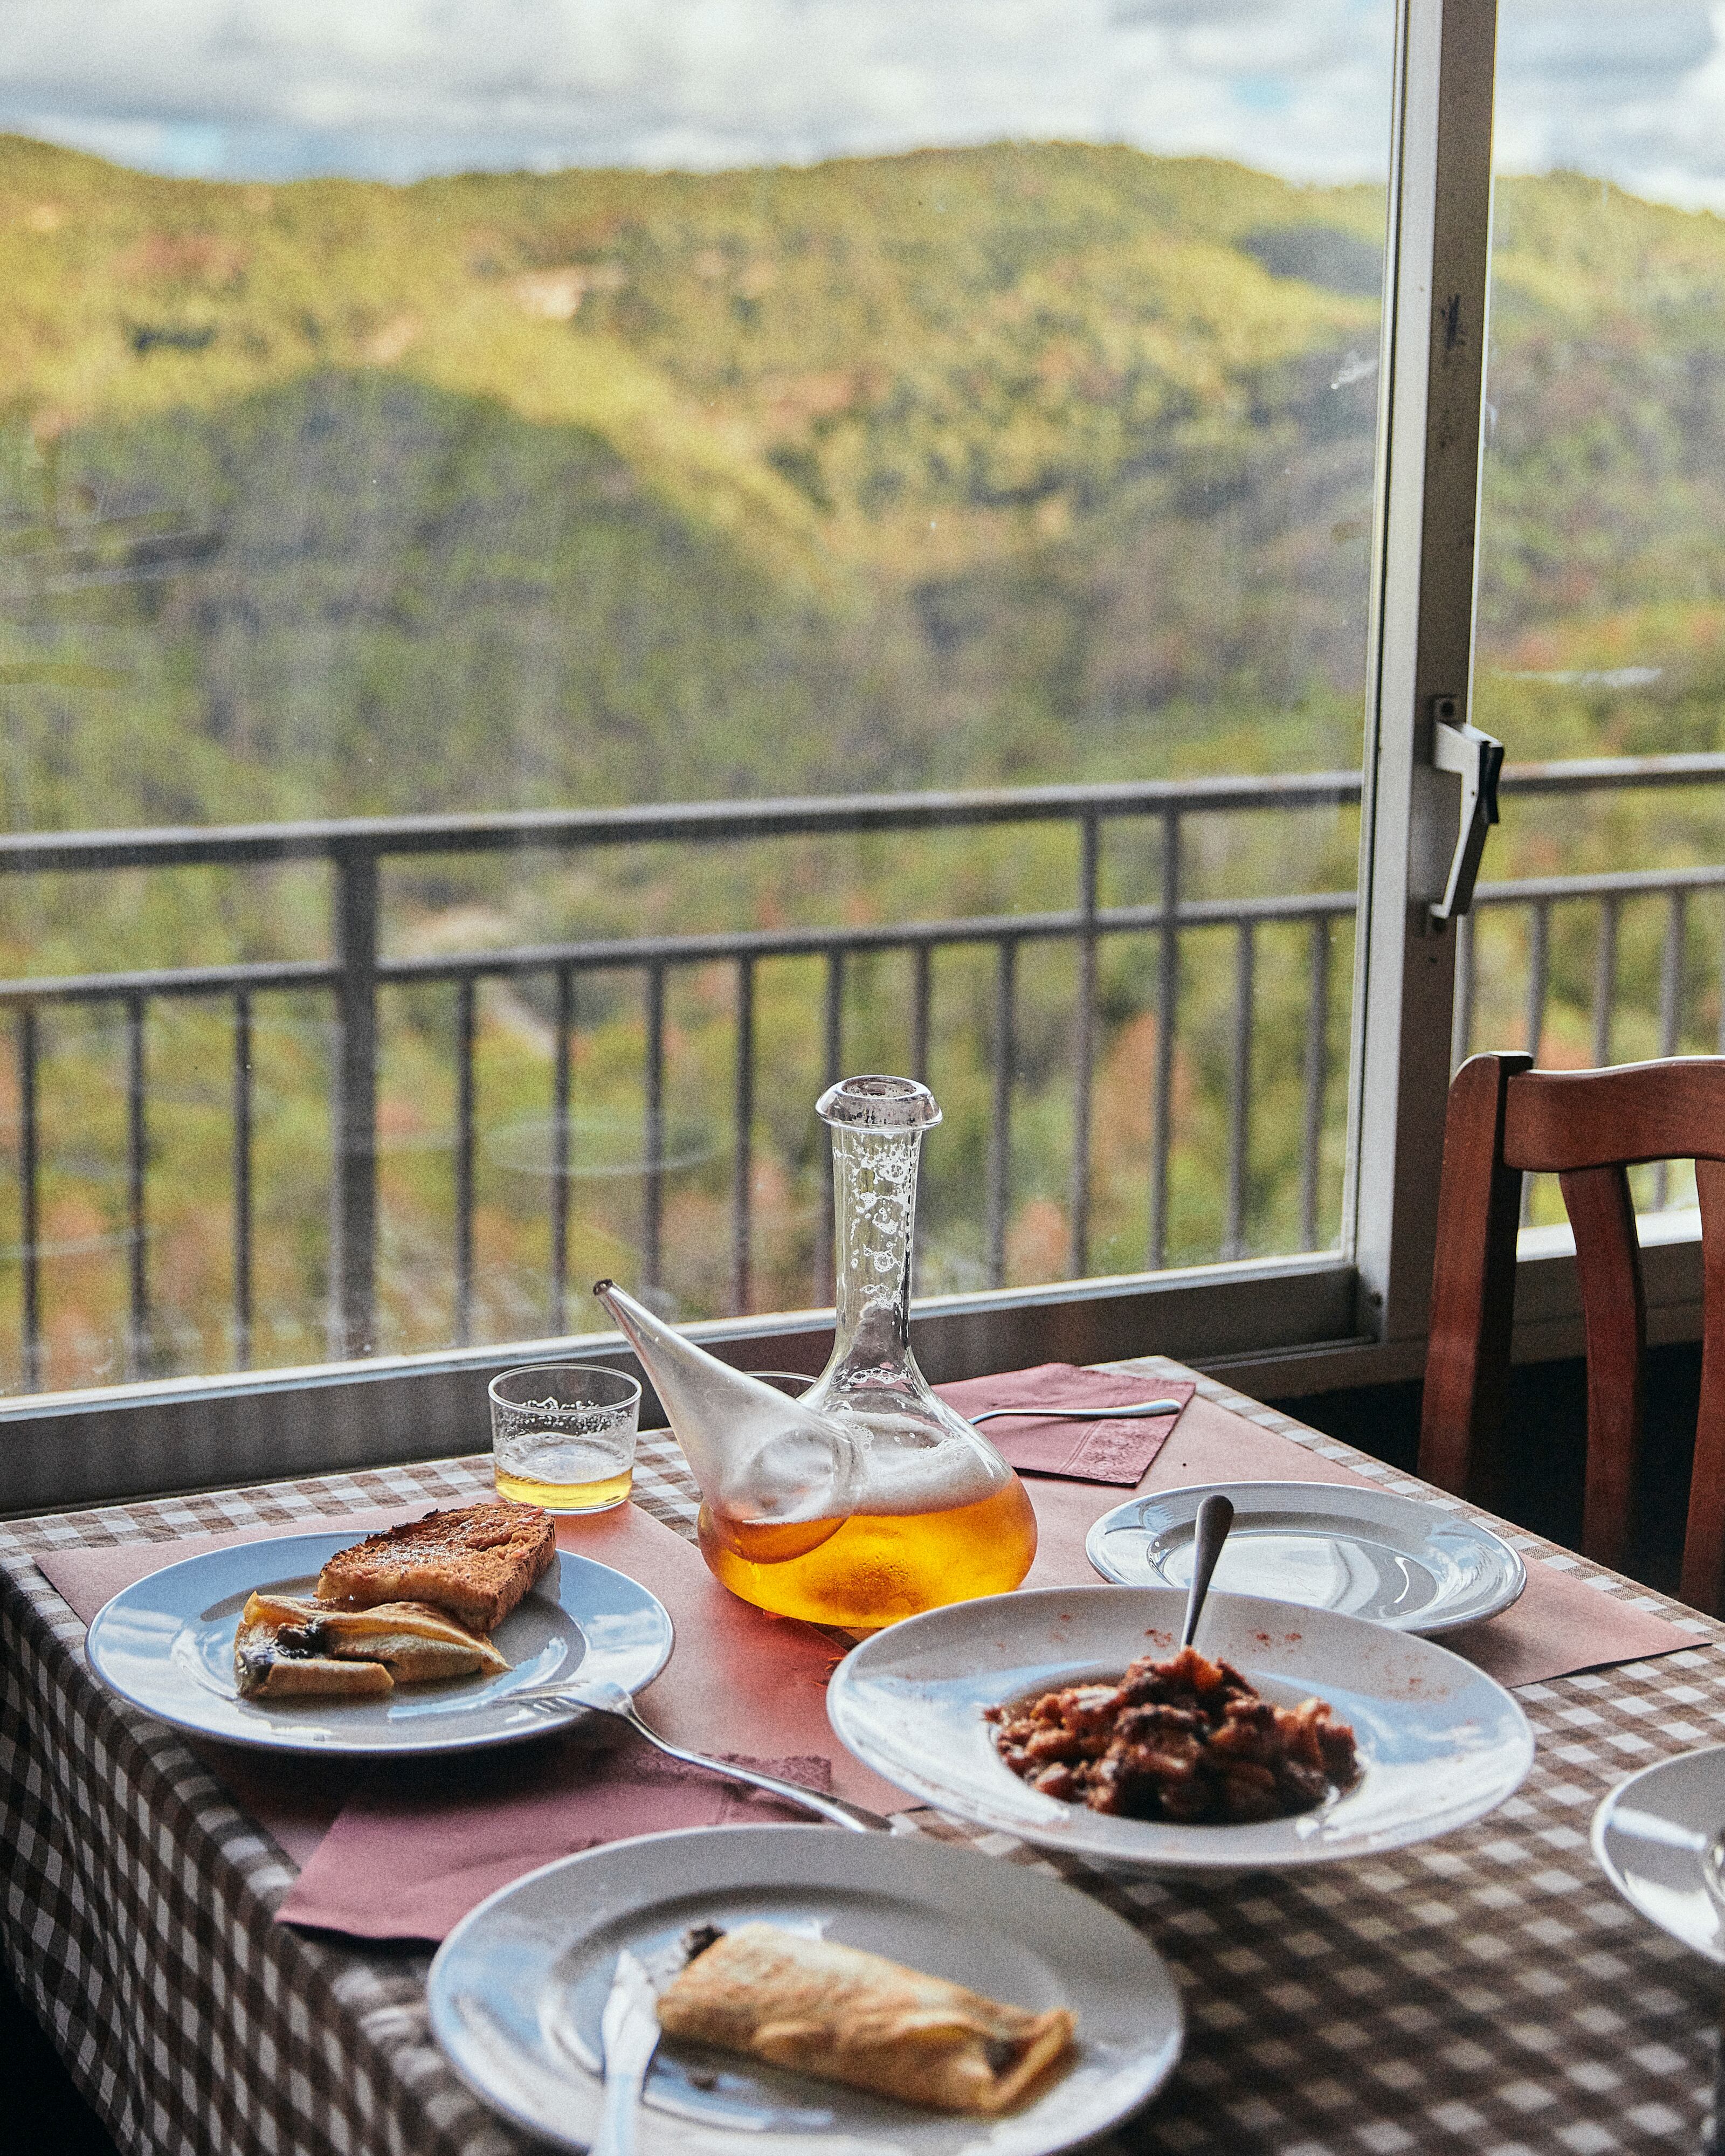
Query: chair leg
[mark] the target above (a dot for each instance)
(1614, 1310)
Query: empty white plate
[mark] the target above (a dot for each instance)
(1328, 1545)
(166, 1643)
(1650, 1835)
(1439, 1743)
(517, 1989)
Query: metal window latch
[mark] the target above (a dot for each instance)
(1476, 760)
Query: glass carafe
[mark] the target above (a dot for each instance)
(933, 1513)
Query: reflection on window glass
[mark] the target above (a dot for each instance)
(477, 409)
(1602, 565)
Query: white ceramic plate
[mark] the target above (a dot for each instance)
(1648, 1835)
(167, 1644)
(1327, 1546)
(517, 1989)
(1440, 1743)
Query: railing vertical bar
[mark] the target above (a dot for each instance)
(242, 1179)
(833, 1020)
(921, 1009)
(1538, 967)
(1318, 1077)
(1671, 972)
(1084, 1049)
(1240, 1133)
(464, 999)
(1461, 1020)
(29, 1198)
(353, 1105)
(1720, 1037)
(743, 1175)
(1605, 980)
(999, 1193)
(565, 1021)
(832, 1062)
(137, 1345)
(1168, 990)
(1538, 970)
(653, 1180)
(1671, 1010)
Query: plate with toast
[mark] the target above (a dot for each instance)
(417, 1639)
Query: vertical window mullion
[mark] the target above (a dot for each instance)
(1434, 355)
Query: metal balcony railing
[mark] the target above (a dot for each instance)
(353, 976)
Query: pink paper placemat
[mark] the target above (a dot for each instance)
(416, 1846)
(1099, 1451)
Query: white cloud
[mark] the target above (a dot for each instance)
(401, 86)
(395, 88)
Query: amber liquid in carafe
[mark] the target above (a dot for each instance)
(874, 1568)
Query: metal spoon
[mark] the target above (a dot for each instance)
(604, 1698)
(1138, 1409)
(1215, 1516)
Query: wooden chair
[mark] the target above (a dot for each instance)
(1587, 1127)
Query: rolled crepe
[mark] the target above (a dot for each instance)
(850, 2016)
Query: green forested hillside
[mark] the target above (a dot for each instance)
(874, 473)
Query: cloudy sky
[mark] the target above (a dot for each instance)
(1634, 89)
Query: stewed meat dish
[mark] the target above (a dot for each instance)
(1186, 1739)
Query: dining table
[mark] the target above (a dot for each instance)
(1487, 1991)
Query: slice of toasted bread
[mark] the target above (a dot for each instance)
(476, 1563)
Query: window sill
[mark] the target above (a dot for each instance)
(84, 1448)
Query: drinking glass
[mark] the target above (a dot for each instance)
(564, 1435)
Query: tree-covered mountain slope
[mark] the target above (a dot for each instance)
(1011, 462)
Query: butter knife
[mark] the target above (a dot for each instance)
(629, 2030)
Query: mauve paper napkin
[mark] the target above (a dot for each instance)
(1099, 1451)
(418, 1846)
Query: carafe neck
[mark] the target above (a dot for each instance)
(874, 1215)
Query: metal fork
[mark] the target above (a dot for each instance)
(604, 1698)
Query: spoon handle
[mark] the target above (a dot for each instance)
(1215, 1516)
(1132, 1413)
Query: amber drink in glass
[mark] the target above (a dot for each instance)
(564, 1435)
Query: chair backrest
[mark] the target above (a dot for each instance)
(1587, 1127)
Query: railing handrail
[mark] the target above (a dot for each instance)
(1593, 774)
(692, 822)
(183, 846)
(593, 955)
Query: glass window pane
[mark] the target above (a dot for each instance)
(472, 411)
(1602, 571)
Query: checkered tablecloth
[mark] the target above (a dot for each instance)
(1486, 1994)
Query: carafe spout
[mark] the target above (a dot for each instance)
(762, 1459)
